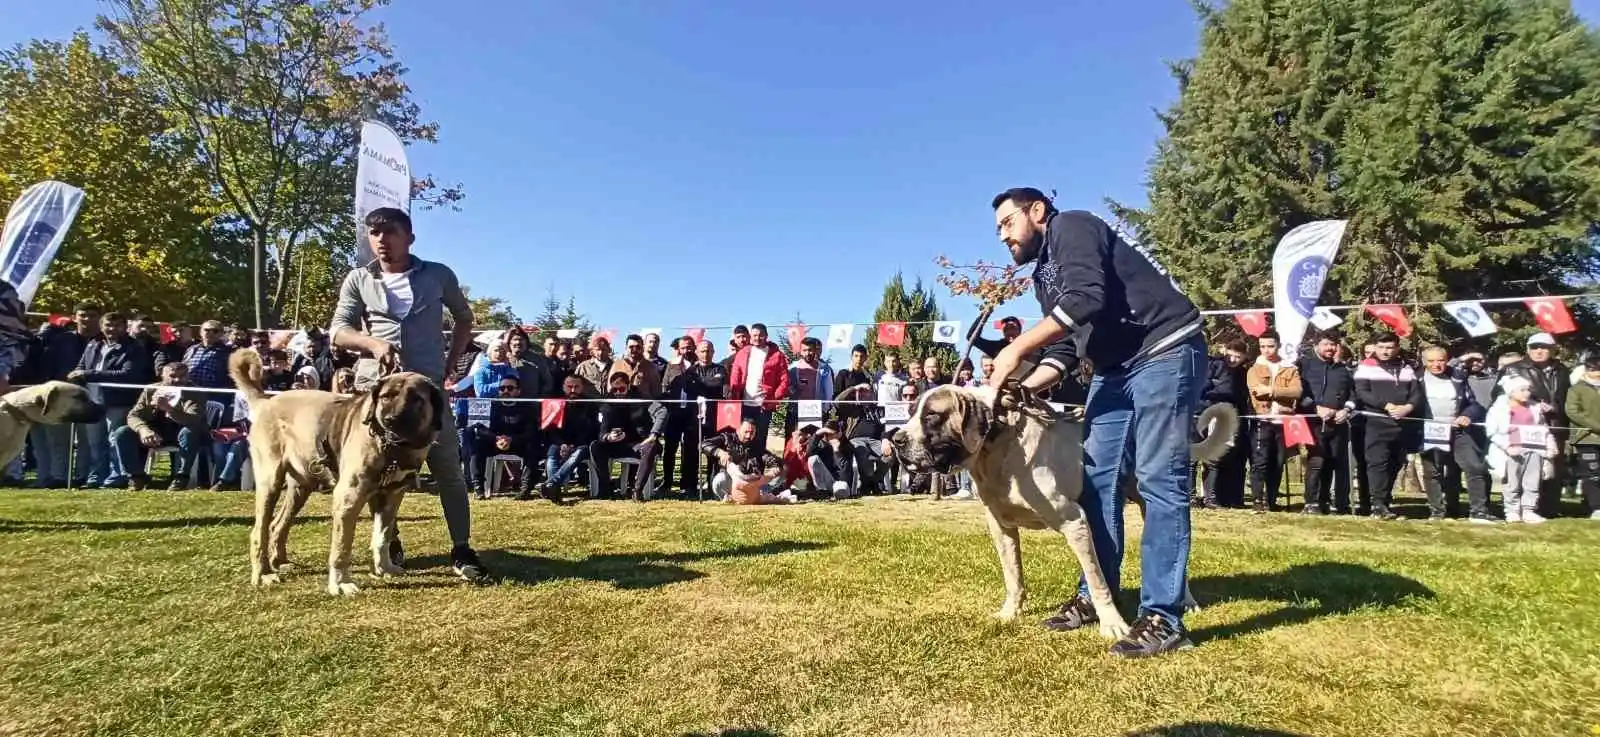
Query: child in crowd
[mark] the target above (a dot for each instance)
(1520, 449)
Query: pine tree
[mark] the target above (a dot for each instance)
(554, 316)
(1457, 136)
(917, 308)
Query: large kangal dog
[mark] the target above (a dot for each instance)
(1026, 462)
(50, 403)
(366, 447)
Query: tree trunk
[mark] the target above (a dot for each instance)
(258, 274)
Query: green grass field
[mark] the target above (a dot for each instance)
(131, 614)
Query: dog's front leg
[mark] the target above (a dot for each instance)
(384, 507)
(1076, 529)
(346, 513)
(1009, 547)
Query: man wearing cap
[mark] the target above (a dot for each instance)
(1143, 338)
(1551, 381)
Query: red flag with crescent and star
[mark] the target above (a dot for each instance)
(1551, 314)
(1392, 315)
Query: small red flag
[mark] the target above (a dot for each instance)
(610, 334)
(698, 335)
(167, 333)
(1551, 314)
(59, 320)
(1000, 324)
(892, 333)
(797, 336)
(1392, 315)
(1252, 323)
(1296, 431)
(728, 415)
(552, 412)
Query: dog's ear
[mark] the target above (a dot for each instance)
(439, 402)
(976, 422)
(372, 403)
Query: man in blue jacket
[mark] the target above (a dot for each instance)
(1449, 446)
(1149, 360)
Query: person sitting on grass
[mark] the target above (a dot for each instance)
(1520, 449)
(748, 468)
(164, 416)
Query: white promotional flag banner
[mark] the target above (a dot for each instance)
(839, 335)
(1325, 319)
(567, 333)
(383, 179)
(650, 331)
(945, 332)
(1299, 268)
(1472, 316)
(35, 226)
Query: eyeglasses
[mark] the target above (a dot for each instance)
(1005, 222)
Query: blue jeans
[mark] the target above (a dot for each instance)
(131, 453)
(230, 458)
(558, 476)
(96, 437)
(52, 449)
(1144, 415)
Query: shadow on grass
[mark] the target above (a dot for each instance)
(622, 570)
(174, 523)
(1309, 591)
(738, 732)
(1208, 729)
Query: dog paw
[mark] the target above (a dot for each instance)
(1006, 614)
(382, 570)
(1113, 630)
(267, 579)
(343, 589)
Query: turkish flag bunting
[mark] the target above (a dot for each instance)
(1296, 431)
(728, 414)
(610, 334)
(1253, 323)
(1000, 324)
(797, 336)
(552, 412)
(892, 333)
(167, 333)
(1551, 314)
(1392, 315)
(59, 320)
(698, 335)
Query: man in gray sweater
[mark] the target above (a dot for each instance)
(392, 309)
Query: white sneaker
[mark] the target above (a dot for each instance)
(1531, 517)
(1513, 514)
(963, 494)
(1595, 514)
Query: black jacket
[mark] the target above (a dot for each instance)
(836, 463)
(635, 419)
(752, 458)
(1225, 385)
(1087, 276)
(1324, 384)
(580, 425)
(710, 380)
(122, 362)
(538, 377)
(1392, 382)
(518, 421)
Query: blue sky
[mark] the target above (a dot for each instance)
(675, 164)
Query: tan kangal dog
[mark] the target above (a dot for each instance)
(1026, 462)
(366, 447)
(50, 403)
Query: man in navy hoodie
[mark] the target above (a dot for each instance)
(1150, 364)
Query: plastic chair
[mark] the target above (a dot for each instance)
(624, 479)
(495, 470)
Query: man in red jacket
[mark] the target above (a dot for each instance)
(759, 374)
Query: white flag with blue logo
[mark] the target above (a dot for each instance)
(35, 226)
(1472, 316)
(1325, 319)
(1299, 268)
(945, 331)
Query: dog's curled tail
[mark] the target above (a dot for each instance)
(1218, 425)
(245, 368)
